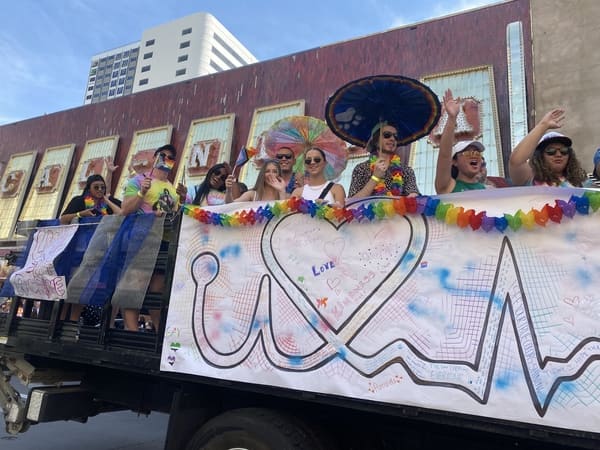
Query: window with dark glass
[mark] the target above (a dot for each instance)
(186, 31)
(148, 55)
(149, 42)
(185, 44)
(145, 68)
(180, 72)
(143, 81)
(182, 58)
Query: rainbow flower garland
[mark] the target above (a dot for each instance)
(429, 206)
(397, 178)
(101, 207)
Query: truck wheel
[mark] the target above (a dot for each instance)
(253, 429)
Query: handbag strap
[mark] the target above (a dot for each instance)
(326, 190)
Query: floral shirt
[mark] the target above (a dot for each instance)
(362, 174)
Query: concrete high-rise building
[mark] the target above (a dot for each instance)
(185, 48)
(111, 73)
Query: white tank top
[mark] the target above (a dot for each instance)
(313, 192)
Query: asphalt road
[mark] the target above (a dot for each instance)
(122, 430)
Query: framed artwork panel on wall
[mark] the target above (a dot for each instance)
(140, 157)
(208, 143)
(12, 190)
(44, 196)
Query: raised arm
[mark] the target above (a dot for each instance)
(232, 190)
(110, 168)
(518, 167)
(444, 182)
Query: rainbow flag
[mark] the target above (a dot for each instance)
(245, 155)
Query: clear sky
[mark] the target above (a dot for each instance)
(46, 46)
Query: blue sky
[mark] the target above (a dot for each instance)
(46, 45)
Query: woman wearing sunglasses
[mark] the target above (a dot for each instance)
(384, 173)
(94, 201)
(318, 189)
(270, 185)
(212, 189)
(545, 158)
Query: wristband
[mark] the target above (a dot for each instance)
(139, 194)
(376, 179)
(78, 215)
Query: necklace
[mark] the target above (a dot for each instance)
(101, 207)
(395, 170)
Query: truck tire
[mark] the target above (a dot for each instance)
(254, 429)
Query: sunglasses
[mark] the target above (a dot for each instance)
(309, 161)
(99, 187)
(472, 154)
(222, 176)
(283, 156)
(166, 156)
(389, 134)
(552, 151)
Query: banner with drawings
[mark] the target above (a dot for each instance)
(409, 309)
(38, 278)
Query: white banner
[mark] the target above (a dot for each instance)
(38, 278)
(407, 310)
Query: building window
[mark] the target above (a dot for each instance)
(182, 58)
(185, 44)
(88, 97)
(91, 88)
(215, 66)
(149, 42)
(117, 64)
(223, 58)
(125, 53)
(120, 90)
(143, 81)
(92, 79)
(145, 68)
(229, 49)
(111, 92)
(113, 83)
(121, 81)
(180, 72)
(148, 55)
(115, 74)
(186, 31)
(123, 72)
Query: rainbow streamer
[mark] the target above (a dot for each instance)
(401, 206)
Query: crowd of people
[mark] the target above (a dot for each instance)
(544, 157)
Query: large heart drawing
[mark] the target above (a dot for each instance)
(339, 270)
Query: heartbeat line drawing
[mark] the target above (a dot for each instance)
(507, 302)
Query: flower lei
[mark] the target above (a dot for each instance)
(101, 207)
(397, 178)
(401, 206)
